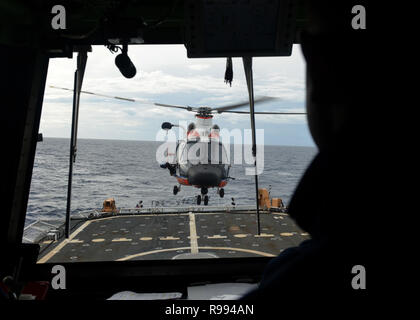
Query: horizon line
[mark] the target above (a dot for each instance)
(274, 145)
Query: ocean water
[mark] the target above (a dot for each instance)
(128, 171)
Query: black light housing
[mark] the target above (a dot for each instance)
(124, 64)
(167, 126)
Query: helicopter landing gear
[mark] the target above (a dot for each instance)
(176, 189)
(203, 196)
(222, 193)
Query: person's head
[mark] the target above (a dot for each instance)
(334, 55)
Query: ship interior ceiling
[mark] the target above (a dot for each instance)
(28, 42)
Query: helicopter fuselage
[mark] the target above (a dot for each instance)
(201, 163)
(201, 159)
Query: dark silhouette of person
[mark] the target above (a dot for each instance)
(339, 77)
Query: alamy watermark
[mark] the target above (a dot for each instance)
(213, 151)
(59, 280)
(59, 19)
(359, 19)
(359, 280)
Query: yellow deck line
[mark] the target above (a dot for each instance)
(264, 235)
(240, 235)
(76, 241)
(120, 240)
(216, 236)
(150, 252)
(153, 215)
(265, 254)
(193, 234)
(57, 249)
(169, 238)
(261, 253)
(139, 215)
(287, 234)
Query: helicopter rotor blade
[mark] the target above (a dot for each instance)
(241, 104)
(265, 112)
(126, 99)
(172, 106)
(224, 109)
(99, 94)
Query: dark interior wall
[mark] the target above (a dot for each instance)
(24, 71)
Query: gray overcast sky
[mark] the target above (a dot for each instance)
(166, 75)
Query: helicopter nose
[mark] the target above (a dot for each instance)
(205, 175)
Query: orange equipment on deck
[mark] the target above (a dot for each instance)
(109, 206)
(266, 203)
(277, 203)
(264, 199)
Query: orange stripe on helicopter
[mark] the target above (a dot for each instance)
(183, 181)
(193, 133)
(201, 117)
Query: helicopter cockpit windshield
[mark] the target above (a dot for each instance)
(203, 152)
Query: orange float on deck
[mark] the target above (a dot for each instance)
(277, 203)
(109, 206)
(265, 202)
(264, 199)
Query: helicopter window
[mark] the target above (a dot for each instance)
(205, 153)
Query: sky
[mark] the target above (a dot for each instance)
(166, 75)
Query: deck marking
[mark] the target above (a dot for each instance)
(146, 216)
(120, 240)
(240, 235)
(286, 234)
(261, 253)
(216, 236)
(193, 234)
(279, 213)
(49, 255)
(145, 238)
(98, 240)
(76, 241)
(168, 238)
(264, 235)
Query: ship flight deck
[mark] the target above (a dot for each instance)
(186, 234)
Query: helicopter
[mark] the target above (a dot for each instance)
(201, 160)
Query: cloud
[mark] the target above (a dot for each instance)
(199, 67)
